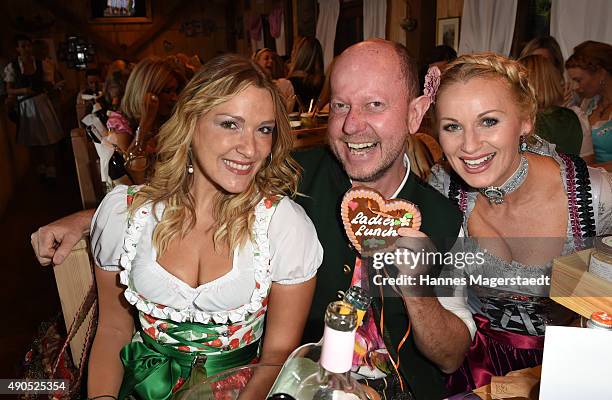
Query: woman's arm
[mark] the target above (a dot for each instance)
(10, 89)
(115, 328)
(288, 308)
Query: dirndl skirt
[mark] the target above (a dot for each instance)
(38, 122)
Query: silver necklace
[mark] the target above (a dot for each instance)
(495, 194)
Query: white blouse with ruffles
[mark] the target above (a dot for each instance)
(283, 249)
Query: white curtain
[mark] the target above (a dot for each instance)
(280, 41)
(487, 25)
(326, 27)
(374, 19)
(573, 22)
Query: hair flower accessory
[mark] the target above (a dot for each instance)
(432, 82)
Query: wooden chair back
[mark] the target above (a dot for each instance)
(74, 278)
(87, 168)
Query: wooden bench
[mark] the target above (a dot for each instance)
(87, 168)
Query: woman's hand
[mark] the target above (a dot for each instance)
(284, 329)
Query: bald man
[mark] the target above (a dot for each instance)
(373, 108)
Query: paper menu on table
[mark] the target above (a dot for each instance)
(577, 364)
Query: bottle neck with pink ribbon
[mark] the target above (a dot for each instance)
(322, 370)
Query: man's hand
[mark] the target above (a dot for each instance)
(438, 333)
(411, 249)
(53, 242)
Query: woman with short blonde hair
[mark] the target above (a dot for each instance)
(523, 203)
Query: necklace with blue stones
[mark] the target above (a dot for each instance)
(495, 194)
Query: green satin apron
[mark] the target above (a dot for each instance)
(153, 369)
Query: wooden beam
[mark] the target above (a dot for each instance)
(161, 23)
(78, 24)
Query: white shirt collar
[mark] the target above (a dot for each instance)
(401, 186)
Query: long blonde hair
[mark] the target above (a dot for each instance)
(545, 79)
(150, 75)
(215, 83)
(308, 61)
(493, 66)
(549, 44)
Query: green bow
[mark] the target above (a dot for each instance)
(152, 369)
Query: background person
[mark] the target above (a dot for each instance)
(307, 73)
(38, 126)
(590, 67)
(554, 123)
(274, 67)
(150, 95)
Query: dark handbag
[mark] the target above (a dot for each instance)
(50, 357)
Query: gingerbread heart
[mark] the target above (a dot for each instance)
(371, 222)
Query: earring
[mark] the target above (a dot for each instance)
(523, 143)
(189, 162)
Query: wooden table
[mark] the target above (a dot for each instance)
(574, 287)
(310, 137)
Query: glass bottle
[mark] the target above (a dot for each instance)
(321, 371)
(600, 263)
(360, 299)
(600, 320)
(136, 159)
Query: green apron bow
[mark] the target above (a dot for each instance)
(152, 369)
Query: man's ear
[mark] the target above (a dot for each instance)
(416, 111)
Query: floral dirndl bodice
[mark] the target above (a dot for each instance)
(226, 338)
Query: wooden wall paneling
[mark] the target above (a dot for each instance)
(294, 13)
(132, 41)
(396, 12)
(521, 29)
(449, 8)
(160, 23)
(422, 40)
(80, 24)
(349, 29)
(306, 17)
(230, 12)
(288, 17)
